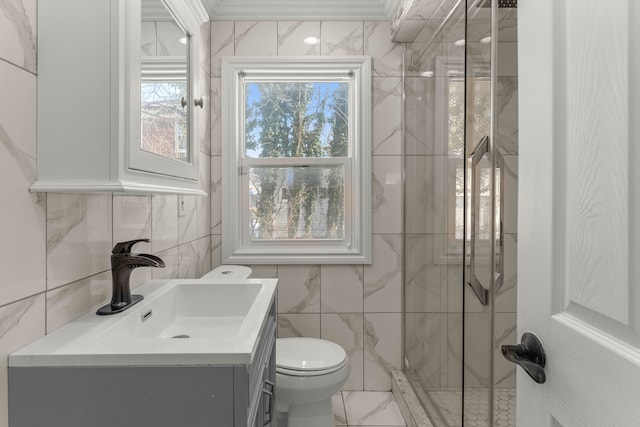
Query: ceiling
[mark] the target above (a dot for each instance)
(300, 9)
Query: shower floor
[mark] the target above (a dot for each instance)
(447, 403)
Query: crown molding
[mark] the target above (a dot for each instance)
(220, 10)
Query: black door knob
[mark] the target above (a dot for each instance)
(529, 355)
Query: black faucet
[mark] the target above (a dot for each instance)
(123, 262)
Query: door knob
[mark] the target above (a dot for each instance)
(529, 355)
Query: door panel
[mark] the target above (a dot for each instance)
(578, 209)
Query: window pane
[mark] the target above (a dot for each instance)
(297, 119)
(297, 202)
(164, 119)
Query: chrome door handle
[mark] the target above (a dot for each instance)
(472, 280)
(529, 355)
(499, 276)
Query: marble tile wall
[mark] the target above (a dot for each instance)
(359, 307)
(54, 256)
(161, 39)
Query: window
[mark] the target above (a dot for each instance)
(296, 160)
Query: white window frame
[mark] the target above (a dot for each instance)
(237, 246)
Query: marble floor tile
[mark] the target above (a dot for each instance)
(339, 414)
(372, 409)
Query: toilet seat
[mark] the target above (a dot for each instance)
(308, 356)
(308, 373)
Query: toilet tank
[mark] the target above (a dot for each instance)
(229, 272)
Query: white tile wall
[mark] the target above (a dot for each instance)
(292, 35)
(383, 279)
(222, 44)
(132, 220)
(387, 56)
(347, 330)
(342, 290)
(382, 348)
(386, 188)
(18, 41)
(23, 216)
(299, 325)
(386, 116)
(256, 38)
(164, 222)
(56, 266)
(342, 38)
(79, 237)
(169, 35)
(71, 301)
(299, 289)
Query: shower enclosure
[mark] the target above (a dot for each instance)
(460, 162)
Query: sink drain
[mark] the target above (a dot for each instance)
(181, 336)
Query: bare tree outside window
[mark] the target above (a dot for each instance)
(164, 118)
(297, 120)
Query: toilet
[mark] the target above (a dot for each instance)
(309, 371)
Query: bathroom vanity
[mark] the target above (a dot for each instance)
(192, 353)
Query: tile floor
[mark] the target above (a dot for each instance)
(366, 408)
(477, 405)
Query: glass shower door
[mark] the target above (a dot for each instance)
(480, 245)
(491, 200)
(434, 122)
(460, 161)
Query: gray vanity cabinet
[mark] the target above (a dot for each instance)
(235, 395)
(254, 390)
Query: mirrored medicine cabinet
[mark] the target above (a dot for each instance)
(118, 96)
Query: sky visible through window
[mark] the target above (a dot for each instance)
(312, 111)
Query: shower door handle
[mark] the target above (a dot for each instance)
(499, 276)
(472, 280)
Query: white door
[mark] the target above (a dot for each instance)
(579, 210)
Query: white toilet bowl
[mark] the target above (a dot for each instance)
(309, 372)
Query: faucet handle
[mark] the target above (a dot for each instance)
(122, 248)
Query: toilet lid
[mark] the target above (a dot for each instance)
(308, 354)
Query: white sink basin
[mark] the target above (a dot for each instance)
(185, 322)
(191, 310)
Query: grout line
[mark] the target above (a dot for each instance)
(20, 67)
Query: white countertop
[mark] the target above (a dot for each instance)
(116, 340)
